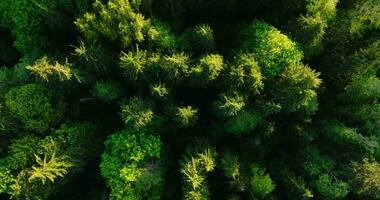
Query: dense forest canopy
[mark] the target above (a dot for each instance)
(189, 99)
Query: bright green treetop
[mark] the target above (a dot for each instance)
(130, 166)
(273, 50)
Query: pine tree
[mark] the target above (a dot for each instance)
(44, 69)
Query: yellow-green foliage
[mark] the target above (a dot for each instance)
(194, 170)
(186, 116)
(50, 167)
(245, 73)
(209, 67)
(273, 50)
(176, 66)
(311, 28)
(136, 113)
(367, 177)
(134, 63)
(229, 104)
(296, 88)
(365, 16)
(159, 91)
(44, 69)
(117, 20)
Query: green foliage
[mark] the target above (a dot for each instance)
(7, 123)
(194, 169)
(198, 39)
(229, 105)
(244, 122)
(186, 116)
(77, 140)
(33, 105)
(142, 63)
(296, 88)
(343, 135)
(311, 28)
(321, 168)
(21, 152)
(330, 188)
(367, 177)
(209, 67)
(261, 183)
(273, 50)
(317, 163)
(32, 22)
(129, 164)
(162, 37)
(44, 69)
(365, 16)
(245, 73)
(49, 167)
(160, 91)
(34, 164)
(6, 180)
(106, 91)
(119, 21)
(232, 170)
(137, 113)
(134, 63)
(363, 89)
(298, 187)
(176, 66)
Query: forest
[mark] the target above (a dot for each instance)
(189, 99)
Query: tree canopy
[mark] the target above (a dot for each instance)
(189, 99)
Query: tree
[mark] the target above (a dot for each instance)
(365, 11)
(229, 105)
(209, 67)
(176, 66)
(366, 176)
(310, 28)
(261, 183)
(245, 73)
(131, 159)
(6, 180)
(186, 116)
(198, 39)
(232, 170)
(321, 169)
(297, 186)
(44, 69)
(117, 21)
(160, 91)
(137, 113)
(134, 64)
(162, 37)
(330, 188)
(21, 152)
(296, 88)
(194, 168)
(35, 163)
(50, 167)
(33, 105)
(273, 50)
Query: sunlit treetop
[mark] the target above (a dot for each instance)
(273, 50)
